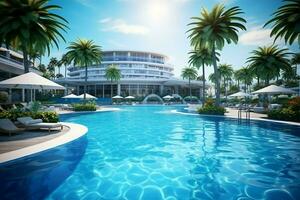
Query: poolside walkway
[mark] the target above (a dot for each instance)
(30, 142)
(231, 112)
(28, 138)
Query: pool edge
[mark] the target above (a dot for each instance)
(76, 131)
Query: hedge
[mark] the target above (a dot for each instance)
(13, 114)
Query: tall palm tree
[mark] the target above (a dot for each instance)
(214, 29)
(84, 53)
(246, 77)
(113, 74)
(51, 66)
(189, 73)
(266, 62)
(226, 73)
(200, 57)
(238, 77)
(64, 61)
(286, 22)
(30, 23)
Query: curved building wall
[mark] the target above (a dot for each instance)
(133, 65)
(142, 73)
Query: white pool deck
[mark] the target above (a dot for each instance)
(27, 143)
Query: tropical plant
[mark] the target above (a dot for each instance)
(84, 53)
(29, 24)
(189, 73)
(210, 109)
(200, 57)
(226, 72)
(51, 67)
(64, 61)
(286, 22)
(214, 29)
(238, 77)
(246, 76)
(266, 62)
(113, 74)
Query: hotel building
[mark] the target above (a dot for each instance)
(142, 73)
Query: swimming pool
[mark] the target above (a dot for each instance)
(148, 152)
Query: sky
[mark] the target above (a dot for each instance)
(160, 26)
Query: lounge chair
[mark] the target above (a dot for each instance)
(7, 126)
(30, 123)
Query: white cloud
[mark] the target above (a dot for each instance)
(256, 36)
(121, 26)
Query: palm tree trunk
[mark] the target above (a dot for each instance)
(25, 60)
(111, 89)
(203, 82)
(216, 72)
(65, 71)
(238, 82)
(190, 87)
(85, 84)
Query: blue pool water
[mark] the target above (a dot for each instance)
(151, 153)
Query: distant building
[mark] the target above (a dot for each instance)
(11, 65)
(143, 73)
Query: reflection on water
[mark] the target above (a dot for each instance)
(36, 176)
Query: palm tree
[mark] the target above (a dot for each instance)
(29, 24)
(238, 77)
(64, 61)
(266, 62)
(84, 53)
(246, 76)
(52, 65)
(189, 73)
(201, 56)
(295, 59)
(113, 74)
(286, 22)
(226, 73)
(214, 29)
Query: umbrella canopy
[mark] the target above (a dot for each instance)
(117, 97)
(88, 96)
(273, 89)
(71, 96)
(30, 80)
(240, 94)
(129, 97)
(167, 97)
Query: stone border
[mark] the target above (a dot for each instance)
(75, 132)
(105, 109)
(235, 117)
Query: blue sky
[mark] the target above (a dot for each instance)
(160, 26)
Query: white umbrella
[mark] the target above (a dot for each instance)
(273, 89)
(87, 96)
(129, 97)
(30, 80)
(117, 97)
(167, 97)
(240, 94)
(71, 96)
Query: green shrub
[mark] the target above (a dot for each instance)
(210, 109)
(13, 114)
(290, 112)
(86, 106)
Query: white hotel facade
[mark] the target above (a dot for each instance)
(142, 73)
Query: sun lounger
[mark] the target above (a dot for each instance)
(30, 123)
(7, 126)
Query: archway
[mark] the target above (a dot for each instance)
(152, 96)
